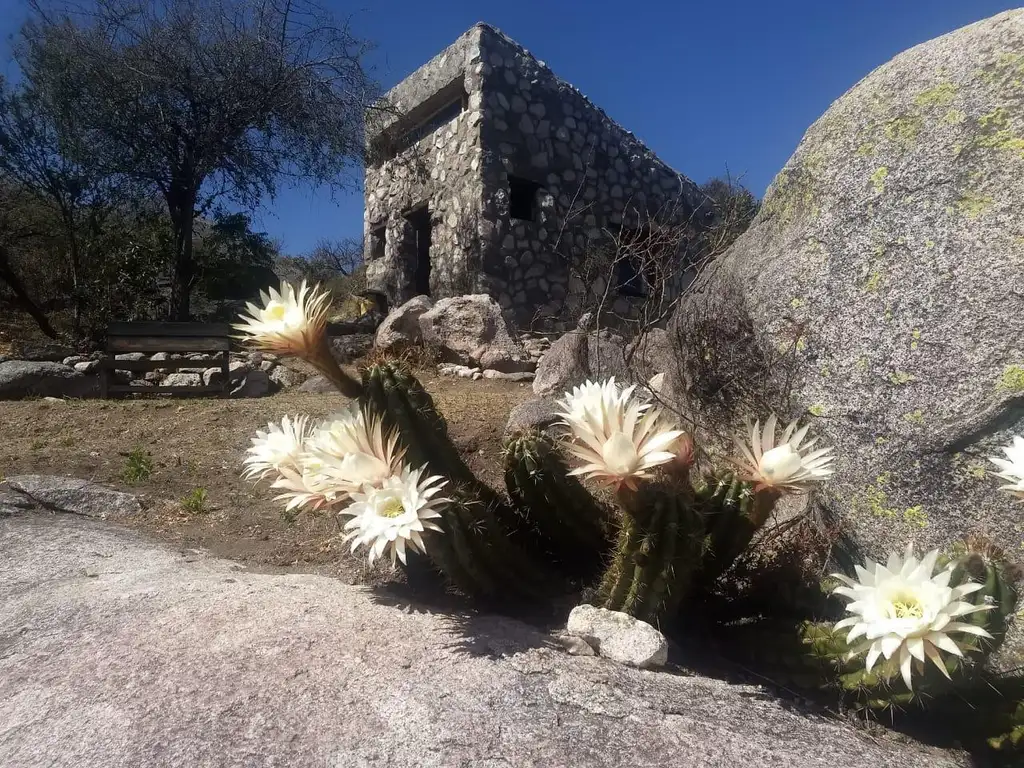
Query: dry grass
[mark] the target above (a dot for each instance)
(200, 443)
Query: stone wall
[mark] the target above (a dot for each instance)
(442, 170)
(524, 187)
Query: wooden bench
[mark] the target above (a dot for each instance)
(213, 339)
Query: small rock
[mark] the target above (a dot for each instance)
(402, 325)
(490, 373)
(131, 356)
(73, 360)
(574, 646)
(538, 413)
(255, 384)
(285, 377)
(183, 380)
(87, 366)
(619, 636)
(267, 365)
(79, 497)
(319, 385)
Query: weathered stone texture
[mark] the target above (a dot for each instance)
(584, 175)
(121, 652)
(885, 276)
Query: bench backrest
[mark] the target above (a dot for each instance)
(148, 337)
(168, 337)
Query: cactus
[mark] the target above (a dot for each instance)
(733, 514)
(981, 561)
(659, 546)
(477, 552)
(562, 518)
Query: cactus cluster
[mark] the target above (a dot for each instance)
(654, 542)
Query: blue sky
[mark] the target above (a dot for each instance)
(707, 85)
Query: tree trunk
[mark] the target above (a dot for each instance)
(182, 209)
(23, 299)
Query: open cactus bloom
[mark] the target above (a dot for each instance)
(392, 516)
(904, 610)
(786, 465)
(279, 447)
(351, 450)
(619, 436)
(1012, 467)
(349, 458)
(289, 321)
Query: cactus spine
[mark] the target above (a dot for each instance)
(477, 552)
(562, 519)
(658, 548)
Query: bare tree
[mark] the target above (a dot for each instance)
(38, 157)
(203, 100)
(335, 258)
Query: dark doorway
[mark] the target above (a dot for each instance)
(419, 221)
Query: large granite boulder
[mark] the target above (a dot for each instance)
(26, 378)
(122, 652)
(880, 291)
(580, 355)
(402, 325)
(472, 330)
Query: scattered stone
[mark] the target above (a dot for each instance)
(180, 379)
(490, 373)
(285, 377)
(618, 636)
(24, 378)
(472, 330)
(267, 366)
(74, 360)
(319, 385)
(538, 413)
(87, 366)
(579, 356)
(286, 652)
(255, 384)
(574, 646)
(402, 325)
(70, 494)
(130, 356)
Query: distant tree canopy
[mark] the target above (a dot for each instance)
(162, 111)
(734, 208)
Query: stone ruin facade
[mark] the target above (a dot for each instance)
(489, 174)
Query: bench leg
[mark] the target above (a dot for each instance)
(225, 370)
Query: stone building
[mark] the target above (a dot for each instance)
(491, 175)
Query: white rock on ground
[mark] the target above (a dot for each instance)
(123, 652)
(618, 636)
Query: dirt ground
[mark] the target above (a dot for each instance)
(199, 443)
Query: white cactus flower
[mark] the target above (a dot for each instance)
(290, 321)
(787, 464)
(1012, 467)
(905, 610)
(392, 517)
(619, 436)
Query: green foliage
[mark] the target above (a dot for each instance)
(194, 501)
(138, 466)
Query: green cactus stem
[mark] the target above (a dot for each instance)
(659, 546)
(561, 517)
(733, 514)
(477, 552)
